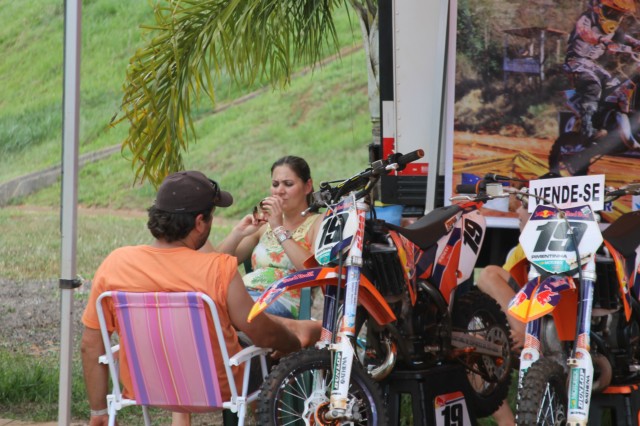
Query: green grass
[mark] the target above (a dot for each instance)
(29, 386)
(31, 240)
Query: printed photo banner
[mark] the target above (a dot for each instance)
(517, 95)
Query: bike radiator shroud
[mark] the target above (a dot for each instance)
(419, 322)
(381, 264)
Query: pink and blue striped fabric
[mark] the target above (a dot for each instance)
(168, 348)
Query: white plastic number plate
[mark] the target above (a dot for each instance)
(451, 410)
(329, 234)
(547, 243)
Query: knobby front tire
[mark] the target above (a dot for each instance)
(542, 399)
(286, 394)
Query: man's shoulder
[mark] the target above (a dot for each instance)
(217, 256)
(128, 250)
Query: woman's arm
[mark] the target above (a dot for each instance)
(297, 253)
(240, 242)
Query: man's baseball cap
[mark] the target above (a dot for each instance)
(190, 191)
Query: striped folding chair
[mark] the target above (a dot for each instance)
(170, 355)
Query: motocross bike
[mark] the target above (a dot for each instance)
(401, 294)
(616, 113)
(566, 357)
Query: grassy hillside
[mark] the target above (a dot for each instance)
(323, 117)
(31, 43)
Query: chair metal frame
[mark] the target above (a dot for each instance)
(238, 402)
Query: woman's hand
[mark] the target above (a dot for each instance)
(273, 207)
(247, 226)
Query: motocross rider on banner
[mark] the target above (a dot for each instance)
(596, 31)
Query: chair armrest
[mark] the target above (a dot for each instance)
(102, 359)
(248, 353)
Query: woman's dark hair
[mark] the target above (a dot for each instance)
(173, 226)
(299, 167)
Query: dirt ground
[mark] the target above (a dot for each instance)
(30, 313)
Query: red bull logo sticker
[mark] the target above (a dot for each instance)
(519, 306)
(584, 213)
(545, 296)
(544, 214)
(545, 300)
(304, 276)
(537, 298)
(521, 302)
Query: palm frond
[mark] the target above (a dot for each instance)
(193, 42)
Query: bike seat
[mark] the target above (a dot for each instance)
(427, 230)
(624, 233)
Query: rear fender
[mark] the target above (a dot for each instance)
(368, 296)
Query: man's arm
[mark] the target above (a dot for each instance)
(263, 331)
(307, 331)
(96, 375)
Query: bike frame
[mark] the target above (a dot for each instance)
(348, 252)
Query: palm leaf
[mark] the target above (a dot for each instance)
(192, 43)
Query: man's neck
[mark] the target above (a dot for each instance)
(163, 244)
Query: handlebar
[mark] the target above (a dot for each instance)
(409, 158)
(489, 187)
(614, 194)
(362, 182)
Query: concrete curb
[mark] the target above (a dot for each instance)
(28, 184)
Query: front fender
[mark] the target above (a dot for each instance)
(368, 296)
(539, 297)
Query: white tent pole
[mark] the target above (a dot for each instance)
(435, 146)
(68, 215)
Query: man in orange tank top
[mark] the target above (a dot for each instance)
(180, 222)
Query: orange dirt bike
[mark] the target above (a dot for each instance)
(580, 308)
(391, 302)
(617, 114)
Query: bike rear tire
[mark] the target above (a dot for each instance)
(477, 313)
(287, 387)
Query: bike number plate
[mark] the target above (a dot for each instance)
(451, 410)
(332, 239)
(547, 244)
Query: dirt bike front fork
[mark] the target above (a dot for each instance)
(579, 363)
(343, 350)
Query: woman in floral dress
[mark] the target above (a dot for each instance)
(279, 239)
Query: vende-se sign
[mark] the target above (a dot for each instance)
(569, 191)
